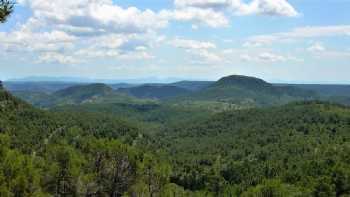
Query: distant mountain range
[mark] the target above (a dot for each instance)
(231, 91)
(94, 80)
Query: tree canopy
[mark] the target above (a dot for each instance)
(6, 8)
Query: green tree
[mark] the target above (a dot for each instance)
(6, 8)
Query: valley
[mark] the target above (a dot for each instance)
(239, 136)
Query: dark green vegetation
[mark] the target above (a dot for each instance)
(193, 85)
(66, 154)
(78, 94)
(155, 92)
(333, 93)
(6, 8)
(247, 92)
(233, 92)
(300, 149)
(326, 90)
(96, 141)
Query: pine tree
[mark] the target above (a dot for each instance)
(6, 8)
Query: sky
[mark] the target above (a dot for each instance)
(301, 41)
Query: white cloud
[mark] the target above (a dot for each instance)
(54, 57)
(26, 40)
(257, 55)
(239, 7)
(199, 49)
(192, 44)
(96, 28)
(271, 57)
(215, 13)
(264, 7)
(207, 17)
(93, 53)
(298, 33)
(63, 31)
(316, 47)
(319, 51)
(202, 3)
(209, 57)
(95, 16)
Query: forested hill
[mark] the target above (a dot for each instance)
(56, 154)
(242, 82)
(300, 149)
(155, 92)
(84, 91)
(192, 85)
(78, 94)
(248, 92)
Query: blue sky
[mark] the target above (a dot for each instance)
(278, 40)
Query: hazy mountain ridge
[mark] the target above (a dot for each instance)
(231, 92)
(39, 86)
(155, 92)
(193, 85)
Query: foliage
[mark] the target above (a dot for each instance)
(296, 149)
(155, 92)
(167, 149)
(246, 92)
(44, 153)
(6, 8)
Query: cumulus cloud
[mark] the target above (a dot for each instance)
(207, 17)
(95, 16)
(61, 31)
(57, 28)
(215, 13)
(26, 40)
(239, 7)
(199, 49)
(264, 7)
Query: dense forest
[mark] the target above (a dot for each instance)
(136, 147)
(239, 136)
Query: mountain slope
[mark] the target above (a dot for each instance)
(76, 95)
(249, 91)
(301, 146)
(83, 92)
(155, 92)
(192, 85)
(56, 154)
(324, 89)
